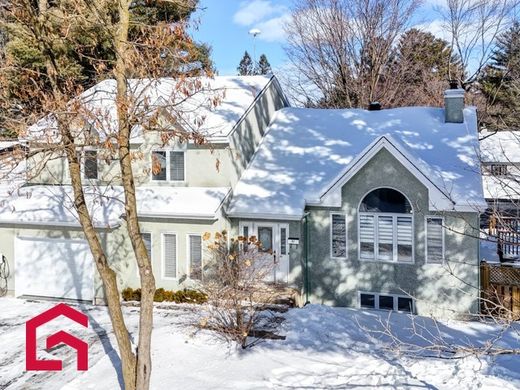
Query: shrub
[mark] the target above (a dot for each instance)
(162, 295)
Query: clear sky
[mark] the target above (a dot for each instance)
(225, 24)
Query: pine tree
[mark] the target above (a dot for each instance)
(246, 66)
(264, 67)
(422, 64)
(501, 82)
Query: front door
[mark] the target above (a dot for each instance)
(273, 237)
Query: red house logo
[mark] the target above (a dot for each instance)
(31, 361)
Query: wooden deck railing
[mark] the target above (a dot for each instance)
(500, 294)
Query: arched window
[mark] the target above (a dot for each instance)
(386, 226)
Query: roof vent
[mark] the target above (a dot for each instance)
(374, 106)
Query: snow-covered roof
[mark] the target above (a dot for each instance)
(8, 144)
(501, 187)
(53, 205)
(501, 146)
(305, 151)
(212, 106)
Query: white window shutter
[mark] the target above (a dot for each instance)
(404, 238)
(195, 257)
(177, 166)
(147, 238)
(170, 255)
(434, 240)
(366, 236)
(339, 236)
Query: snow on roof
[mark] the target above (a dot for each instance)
(305, 149)
(53, 205)
(501, 146)
(190, 102)
(8, 144)
(501, 187)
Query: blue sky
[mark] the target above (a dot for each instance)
(224, 24)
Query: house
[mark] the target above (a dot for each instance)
(365, 208)
(500, 154)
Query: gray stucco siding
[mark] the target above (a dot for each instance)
(338, 281)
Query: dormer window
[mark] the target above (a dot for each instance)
(90, 165)
(167, 165)
(498, 169)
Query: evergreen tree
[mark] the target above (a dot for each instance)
(501, 82)
(264, 67)
(246, 66)
(421, 67)
(88, 40)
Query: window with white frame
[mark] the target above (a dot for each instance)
(385, 227)
(168, 165)
(338, 236)
(90, 164)
(400, 303)
(195, 256)
(169, 255)
(434, 240)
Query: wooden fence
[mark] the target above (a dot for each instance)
(500, 291)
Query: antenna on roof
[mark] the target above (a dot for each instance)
(254, 32)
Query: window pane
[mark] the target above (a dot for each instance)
(366, 236)
(434, 251)
(147, 238)
(367, 300)
(386, 302)
(385, 200)
(177, 166)
(385, 231)
(339, 236)
(196, 257)
(404, 238)
(158, 165)
(170, 255)
(91, 164)
(283, 241)
(405, 304)
(265, 236)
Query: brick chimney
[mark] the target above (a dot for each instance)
(454, 103)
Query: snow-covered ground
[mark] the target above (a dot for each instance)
(325, 348)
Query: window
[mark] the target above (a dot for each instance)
(434, 240)
(499, 169)
(147, 238)
(90, 165)
(386, 302)
(385, 227)
(265, 236)
(169, 255)
(405, 304)
(167, 165)
(195, 255)
(283, 241)
(367, 300)
(338, 246)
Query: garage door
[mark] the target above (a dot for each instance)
(57, 268)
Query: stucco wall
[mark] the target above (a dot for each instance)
(337, 281)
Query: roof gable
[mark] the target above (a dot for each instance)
(331, 194)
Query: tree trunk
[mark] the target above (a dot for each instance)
(108, 276)
(144, 361)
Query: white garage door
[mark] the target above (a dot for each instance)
(57, 268)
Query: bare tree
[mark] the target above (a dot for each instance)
(343, 47)
(71, 119)
(473, 26)
(235, 280)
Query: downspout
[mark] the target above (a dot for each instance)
(307, 284)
